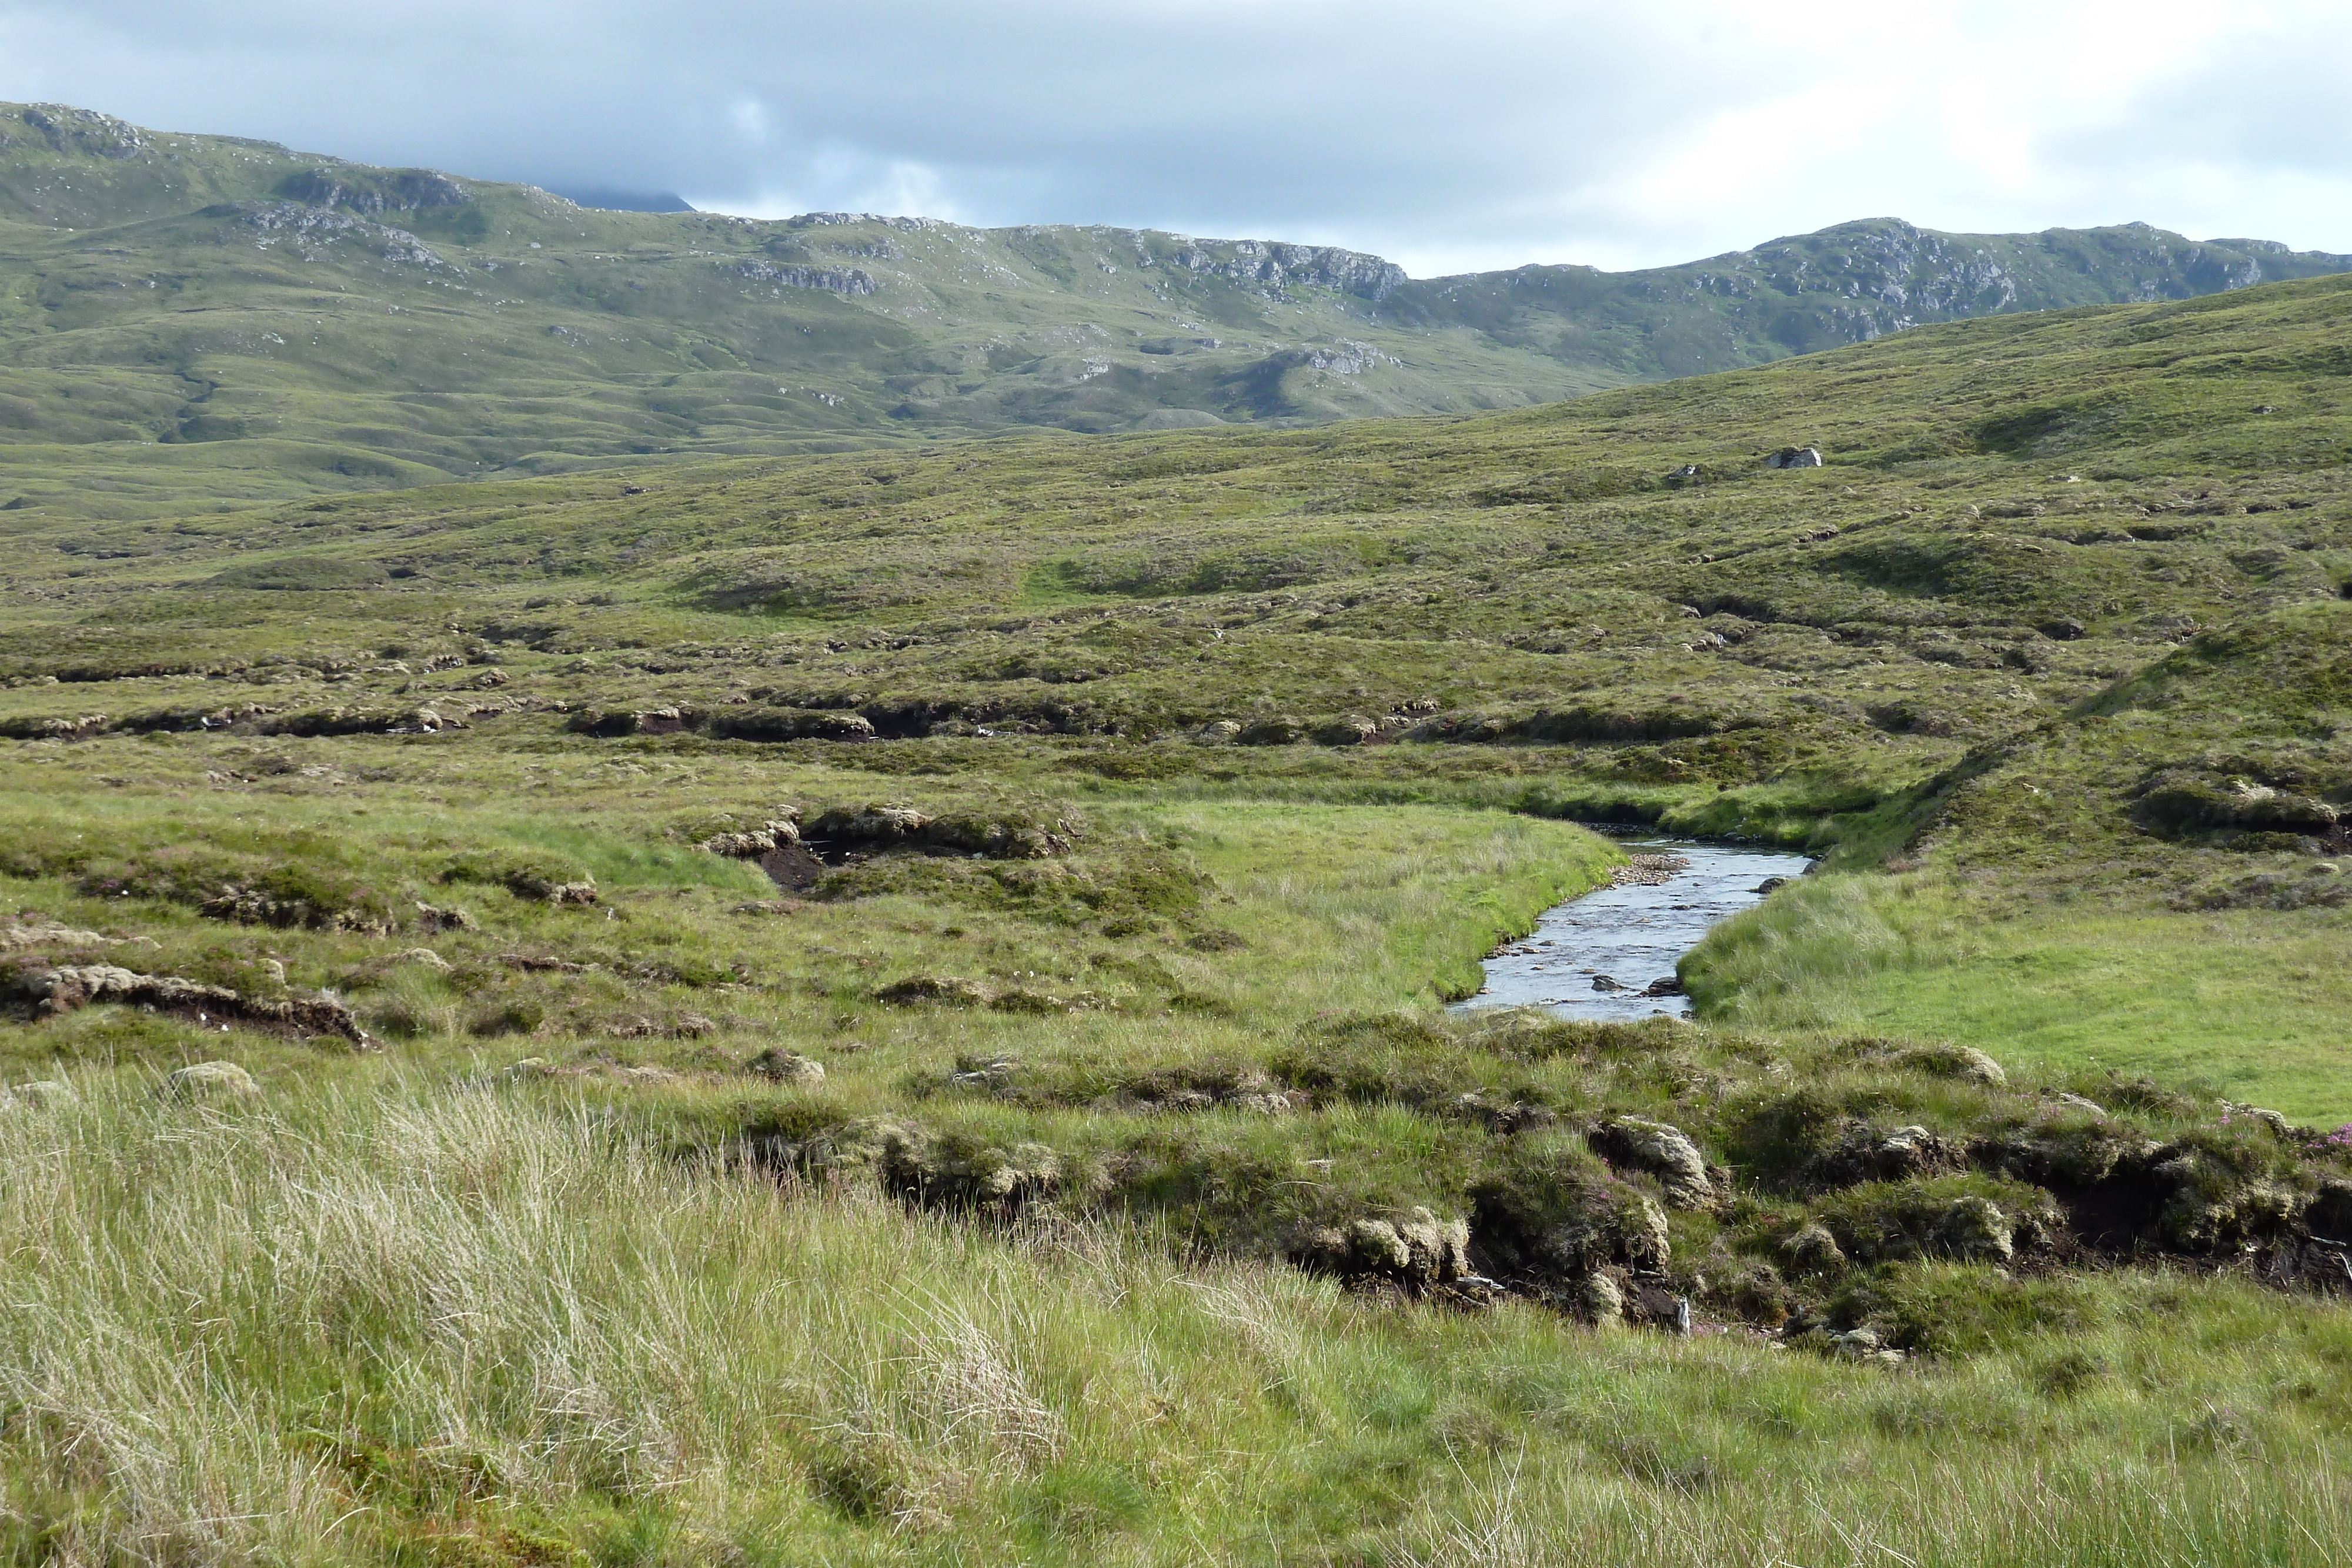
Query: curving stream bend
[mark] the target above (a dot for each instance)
(1611, 952)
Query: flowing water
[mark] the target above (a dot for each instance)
(1598, 955)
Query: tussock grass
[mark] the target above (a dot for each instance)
(416, 1317)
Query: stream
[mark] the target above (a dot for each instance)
(1597, 956)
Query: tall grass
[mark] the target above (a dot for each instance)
(1792, 956)
(410, 1321)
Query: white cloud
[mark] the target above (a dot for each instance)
(1479, 134)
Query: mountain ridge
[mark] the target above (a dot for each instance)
(212, 321)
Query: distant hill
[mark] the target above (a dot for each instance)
(191, 321)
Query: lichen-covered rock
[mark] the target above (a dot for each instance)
(1964, 1062)
(544, 887)
(1599, 1302)
(787, 1067)
(2212, 1201)
(1974, 1229)
(1661, 1150)
(941, 990)
(1814, 1250)
(1413, 1247)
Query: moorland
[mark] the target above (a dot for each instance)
(894, 1005)
(200, 323)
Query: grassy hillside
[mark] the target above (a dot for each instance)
(890, 1005)
(189, 321)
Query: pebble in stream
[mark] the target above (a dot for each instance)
(1610, 954)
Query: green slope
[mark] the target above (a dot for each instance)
(1609, 606)
(190, 317)
(979, 1195)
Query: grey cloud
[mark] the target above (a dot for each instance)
(1483, 132)
(2267, 103)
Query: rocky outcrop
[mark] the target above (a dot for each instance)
(85, 130)
(1795, 457)
(306, 227)
(1274, 268)
(1414, 1249)
(1659, 1150)
(850, 281)
(372, 193)
(1346, 358)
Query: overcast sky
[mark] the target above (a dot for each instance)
(1473, 134)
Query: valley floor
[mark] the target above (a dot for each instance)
(892, 1008)
(526, 1281)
